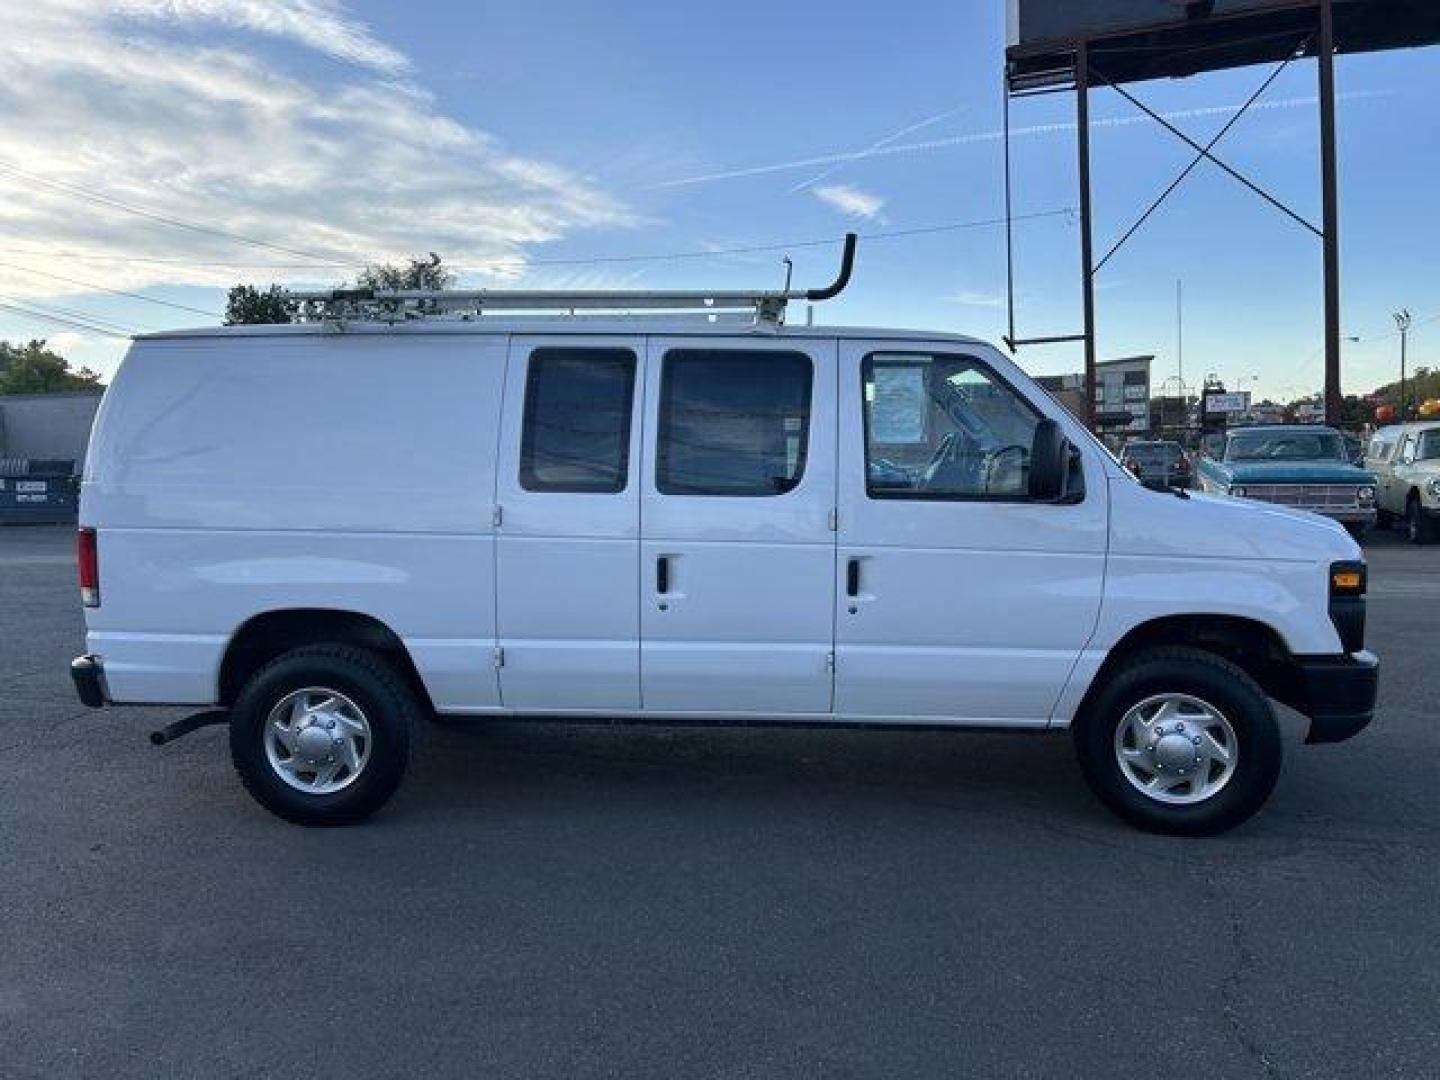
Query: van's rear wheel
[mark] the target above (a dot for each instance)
(321, 735)
(1180, 741)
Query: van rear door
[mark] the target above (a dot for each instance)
(737, 551)
(569, 515)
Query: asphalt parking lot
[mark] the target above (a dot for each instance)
(559, 901)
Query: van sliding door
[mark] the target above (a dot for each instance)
(737, 550)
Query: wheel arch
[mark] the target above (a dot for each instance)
(267, 635)
(1251, 645)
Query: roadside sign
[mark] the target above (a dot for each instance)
(1235, 401)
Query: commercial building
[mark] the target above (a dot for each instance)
(1122, 394)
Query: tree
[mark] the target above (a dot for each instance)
(415, 274)
(247, 305)
(33, 369)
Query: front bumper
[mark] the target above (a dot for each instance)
(1340, 694)
(1348, 517)
(88, 673)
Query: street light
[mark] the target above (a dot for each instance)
(1402, 320)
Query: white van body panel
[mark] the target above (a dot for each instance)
(229, 477)
(1257, 562)
(255, 469)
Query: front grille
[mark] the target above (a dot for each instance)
(1306, 496)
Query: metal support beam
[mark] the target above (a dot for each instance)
(1087, 254)
(1200, 156)
(1205, 153)
(1009, 223)
(1331, 213)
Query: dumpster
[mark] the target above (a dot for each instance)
(38, 491)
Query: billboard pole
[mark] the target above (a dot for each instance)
(1331, 223)
(1087, 255)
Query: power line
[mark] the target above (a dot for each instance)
(113, 292)
(755, 249)
(179, 223)
(72, 323)
(748, 249)
(76, 313)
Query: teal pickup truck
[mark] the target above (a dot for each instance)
(1303, 466)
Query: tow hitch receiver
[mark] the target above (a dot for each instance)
(170, 732)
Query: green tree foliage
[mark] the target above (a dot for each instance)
(247, 305)
(425, 273)
(1421, 385)
(33, 369)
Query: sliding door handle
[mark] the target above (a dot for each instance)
(852, 577)
(662, 574)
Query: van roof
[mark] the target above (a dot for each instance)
(632, 327)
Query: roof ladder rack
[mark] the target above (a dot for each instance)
(394, 305)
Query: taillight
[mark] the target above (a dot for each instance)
(88, 560)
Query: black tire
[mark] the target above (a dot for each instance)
(1212, 679)
(1418, 528)
(367, 679)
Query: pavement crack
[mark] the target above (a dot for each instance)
(1243, 962)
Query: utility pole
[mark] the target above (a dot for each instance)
(1330, 199)
(1087, 255)
(1179, 332)
(1402, 320)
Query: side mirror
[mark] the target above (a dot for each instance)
(1049, 462)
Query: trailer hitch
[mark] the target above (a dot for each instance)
(170, 732)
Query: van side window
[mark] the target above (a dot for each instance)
(576, 433)
(733, 422)
(943, 427)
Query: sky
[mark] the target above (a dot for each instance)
(171, 148)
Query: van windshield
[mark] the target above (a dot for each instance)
(1428, 449)
(1285, 446)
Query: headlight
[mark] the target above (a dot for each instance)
(1434, 486)
(1365, 495)
(1238, 492)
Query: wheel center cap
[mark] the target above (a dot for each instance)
(314, 743)
(1174, 751)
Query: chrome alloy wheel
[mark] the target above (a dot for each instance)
(1176, 749)
(317, 740)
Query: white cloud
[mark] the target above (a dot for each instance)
(885, 148)
(851, 201)
(975, 298)
(354, 163)
(67, 341)
(318, 24)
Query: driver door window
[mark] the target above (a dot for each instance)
(943, 427)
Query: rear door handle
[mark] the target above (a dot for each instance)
(662, 574)
(852, 577)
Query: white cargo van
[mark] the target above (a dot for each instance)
(325, 532)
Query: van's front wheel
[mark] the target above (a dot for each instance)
(321, 735)
(1180, 741)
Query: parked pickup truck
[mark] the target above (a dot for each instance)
(1405, 459)
(1304, 466)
